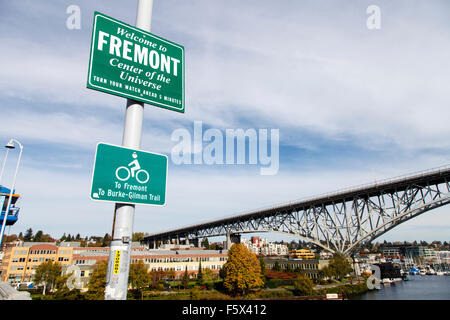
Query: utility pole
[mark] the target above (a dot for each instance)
(120, 248)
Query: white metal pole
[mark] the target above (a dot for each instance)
(120, 248)
(3, 165)
(10, 194)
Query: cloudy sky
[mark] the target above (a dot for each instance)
(352, 105)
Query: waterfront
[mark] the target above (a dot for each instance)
(417, 288)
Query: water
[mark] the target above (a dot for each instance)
(417, 288)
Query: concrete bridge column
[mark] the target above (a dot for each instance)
(228, 242)
(231, 239)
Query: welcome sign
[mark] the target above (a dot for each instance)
(135, 64)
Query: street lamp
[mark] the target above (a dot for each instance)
(10, 145)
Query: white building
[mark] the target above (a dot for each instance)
(264, 247)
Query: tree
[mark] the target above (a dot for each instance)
(338, 266)
(262, 263)
(63, 238)
(139, 277)
(208, 274)
(106, 240)
(47, 273)
(97, 282)
(205, 243)
(303, 285)
(156, 276)
(242, 270)
(28, 235)
(137, 237)
(78, 237)
(200, 280)
(185, 279)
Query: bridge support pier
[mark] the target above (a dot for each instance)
(232, 239)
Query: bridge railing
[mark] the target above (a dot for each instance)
(382, 182)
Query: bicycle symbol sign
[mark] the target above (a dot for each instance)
(127, 175)
(132, 170)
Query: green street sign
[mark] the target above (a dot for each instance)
(129, 176)
(135, 64)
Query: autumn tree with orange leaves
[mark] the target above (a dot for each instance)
(242, 271)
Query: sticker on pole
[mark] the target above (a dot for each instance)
(127, 175)
(132, 63)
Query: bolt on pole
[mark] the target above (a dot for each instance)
(120, 248)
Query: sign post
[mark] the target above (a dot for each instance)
(120, 248)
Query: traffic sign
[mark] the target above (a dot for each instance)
(126, 175)
(129, 62)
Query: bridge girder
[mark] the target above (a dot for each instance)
(338, 224)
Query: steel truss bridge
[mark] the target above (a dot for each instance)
(341, 221)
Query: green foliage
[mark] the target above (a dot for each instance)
(272, 283)
(138, 236)
(346, 290)
(47, 273)
(262, 263)
(200, 280)
(28, 235)
(185, 279)
(37, 237)
(205, 243)
(97, 282)
(139, 277)
(242, 270)
(303, 285)
(66, 294)
(338, 267)
(106, 240)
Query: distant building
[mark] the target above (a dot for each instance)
(302, 254)
(407, 251)
(20, 262)
(311, 267)
(265, 248)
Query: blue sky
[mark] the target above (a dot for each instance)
(352, 105)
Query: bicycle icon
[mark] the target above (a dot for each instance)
(133, 171)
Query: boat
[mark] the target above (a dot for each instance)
(386, 281)
(405, 277)
(414, 271)
(430, 272)
(440, 273)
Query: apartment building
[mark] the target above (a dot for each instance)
(265, 248)
(20, 262)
